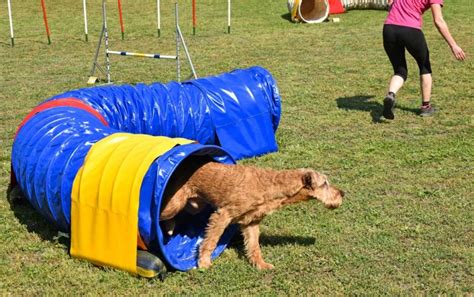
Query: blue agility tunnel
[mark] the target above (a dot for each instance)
(228, 117)
(239, 111)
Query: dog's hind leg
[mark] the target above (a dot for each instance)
(251, 235)
(218, 222)
(175, 203)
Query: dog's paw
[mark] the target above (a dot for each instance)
(264, 266)
(204, 263)
(194, 206)
(169, 226)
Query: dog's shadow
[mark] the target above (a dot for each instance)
(237, 242)
(364, 103)
(275, 240)
(286, 16)
(32, 220)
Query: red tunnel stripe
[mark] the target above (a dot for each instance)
(72, 102)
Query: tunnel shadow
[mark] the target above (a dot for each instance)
(31, 219)
(364, 103)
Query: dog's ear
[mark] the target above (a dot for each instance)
(312, 179)
(307, 179)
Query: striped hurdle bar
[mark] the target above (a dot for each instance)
(153, 56)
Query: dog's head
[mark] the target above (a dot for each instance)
(316, 185)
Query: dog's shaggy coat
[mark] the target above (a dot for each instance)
(243, 195)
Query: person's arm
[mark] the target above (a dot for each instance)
(444, 31)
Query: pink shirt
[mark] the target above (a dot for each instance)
(409, 13)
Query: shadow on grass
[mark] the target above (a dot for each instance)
(29, 217)
(237, 242)
(275, 240)
(409, 109)
(5, 44)
(286, 16)
(364, 103)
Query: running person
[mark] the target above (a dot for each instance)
(402, 30)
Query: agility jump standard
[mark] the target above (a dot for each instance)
(104, 35)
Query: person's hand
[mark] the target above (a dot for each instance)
(390, 2)
(458, 53)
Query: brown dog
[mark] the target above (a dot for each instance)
(242, 195)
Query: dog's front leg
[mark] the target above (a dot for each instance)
(218, 222)
(251, 234)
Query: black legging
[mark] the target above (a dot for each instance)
(396, 39)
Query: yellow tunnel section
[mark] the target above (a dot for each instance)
(106, 196)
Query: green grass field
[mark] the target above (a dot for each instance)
(406, 226)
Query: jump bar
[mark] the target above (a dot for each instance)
(154, 56)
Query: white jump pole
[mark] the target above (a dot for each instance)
(11, 22)
(178, 65)
(228, 16)
(84, 5)
(158, 16)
